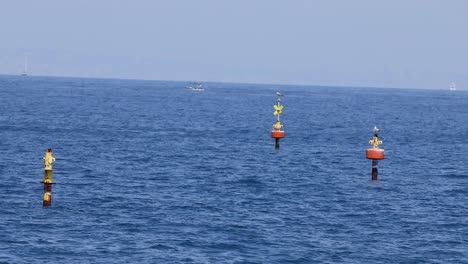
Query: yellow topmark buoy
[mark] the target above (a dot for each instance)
(277, 133)
(48, 161)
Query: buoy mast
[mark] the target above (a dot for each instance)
(48, 161)
(277, 133)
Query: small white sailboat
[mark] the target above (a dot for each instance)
(196, 87)
(25, 70)
(453, 87)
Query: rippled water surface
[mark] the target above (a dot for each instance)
(149, 172)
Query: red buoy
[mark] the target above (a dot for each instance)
(375, 154)
(277, 134)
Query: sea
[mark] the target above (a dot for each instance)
(151, 172)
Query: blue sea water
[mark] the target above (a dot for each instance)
(149, 172)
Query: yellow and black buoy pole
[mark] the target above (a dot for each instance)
(277, 133)
(48, 161)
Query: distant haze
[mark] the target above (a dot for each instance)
(399, 43)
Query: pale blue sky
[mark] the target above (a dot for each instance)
(398, 43)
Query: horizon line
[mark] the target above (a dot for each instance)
(223, 82)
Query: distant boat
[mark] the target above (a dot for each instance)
(196, 87)
(453, 87)
(25, 70)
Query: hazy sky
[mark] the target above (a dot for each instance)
(398, 43)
